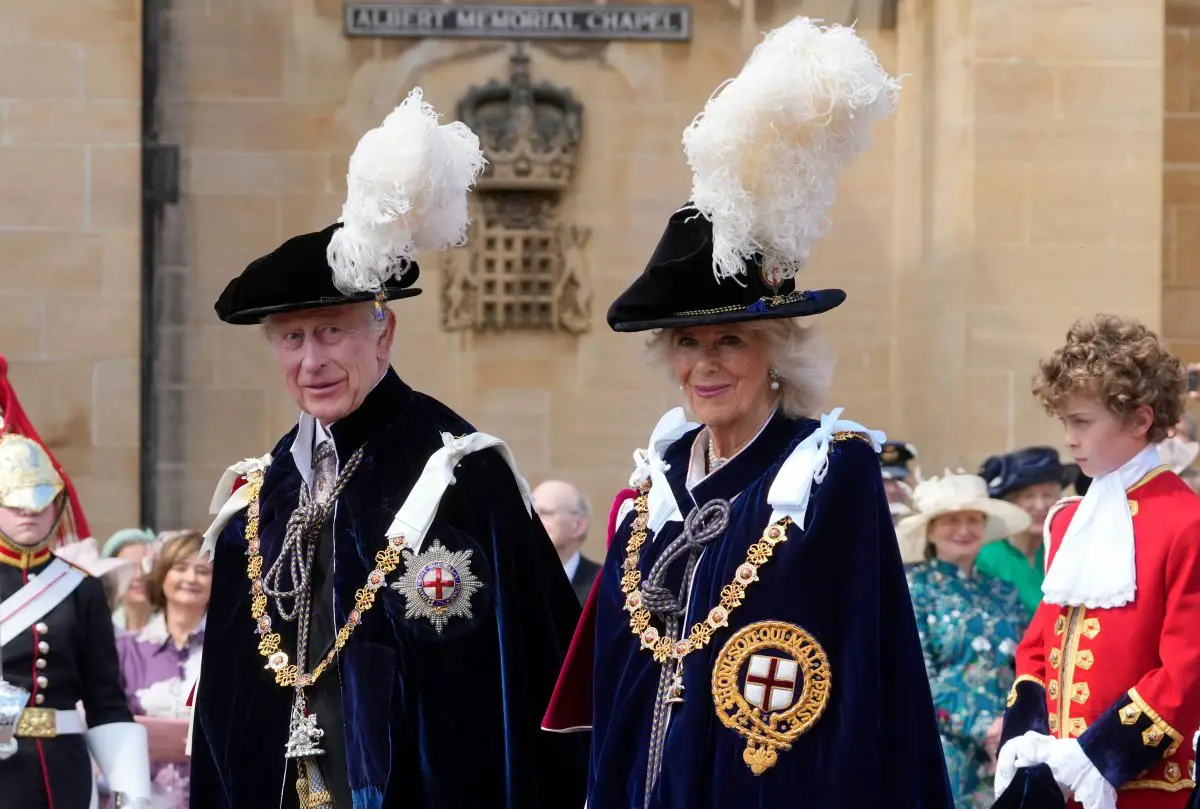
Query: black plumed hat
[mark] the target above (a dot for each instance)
(296, 275)
(406, 193)
(679, 288)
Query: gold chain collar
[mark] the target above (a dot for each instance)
(289, 674)
(732, 594)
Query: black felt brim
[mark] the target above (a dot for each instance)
(296, 276)
(250, 317)
(679, 288)
(816, 302)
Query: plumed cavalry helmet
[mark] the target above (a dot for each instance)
(30, 476)
(406, 194)
(28, 479)
(765, 154)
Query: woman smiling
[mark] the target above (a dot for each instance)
(754, 643)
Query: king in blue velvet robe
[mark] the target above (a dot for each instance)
(838, 578)
(447, 720)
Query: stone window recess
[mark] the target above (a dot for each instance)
(523, 266)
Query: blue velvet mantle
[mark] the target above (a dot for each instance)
(448, 721)
(841, 580)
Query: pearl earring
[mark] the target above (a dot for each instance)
(774, 375)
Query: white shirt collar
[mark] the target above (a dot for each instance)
(572, 565)
(309, 433)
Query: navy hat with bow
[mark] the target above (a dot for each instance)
(1017, 470)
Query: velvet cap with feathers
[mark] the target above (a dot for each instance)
(406, 193)
(765, 155)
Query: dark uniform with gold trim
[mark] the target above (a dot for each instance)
(1125, 681)
(67, 656)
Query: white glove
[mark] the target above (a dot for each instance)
(122, 751)
(1027, 750)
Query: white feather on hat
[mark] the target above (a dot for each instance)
(950, 494)
(767, 149)
(406, 192)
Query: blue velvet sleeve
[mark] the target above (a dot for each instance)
(1026, 710)
(1126, 739)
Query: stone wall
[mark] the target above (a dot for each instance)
(69, 240)
(1181, 179)
(1029, 163)
(1019, 187)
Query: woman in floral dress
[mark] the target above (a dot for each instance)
(969, 623)
(160, 662)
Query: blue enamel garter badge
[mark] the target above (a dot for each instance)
(437, 585)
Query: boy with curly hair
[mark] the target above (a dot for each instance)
(1108, 675)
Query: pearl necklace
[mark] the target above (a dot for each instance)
(715, 461)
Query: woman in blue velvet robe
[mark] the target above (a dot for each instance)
(837, 577)
(754, 641)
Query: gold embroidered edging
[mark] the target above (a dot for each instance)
(1160, 723)
(1024, 678)
(1149, 476)
(1154, 783)
(1070, 645)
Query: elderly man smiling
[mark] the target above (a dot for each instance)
(386, 616)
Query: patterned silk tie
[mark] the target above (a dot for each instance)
(310, 783)
(324, 471)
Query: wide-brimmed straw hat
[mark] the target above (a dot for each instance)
(950, 494)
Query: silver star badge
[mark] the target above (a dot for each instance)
(438, 585)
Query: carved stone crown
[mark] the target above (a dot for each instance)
(529, 133)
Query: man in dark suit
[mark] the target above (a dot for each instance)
(564, 512)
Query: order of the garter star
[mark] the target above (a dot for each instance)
(438, 585)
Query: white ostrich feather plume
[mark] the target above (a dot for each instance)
(406, 193)
(766, 151)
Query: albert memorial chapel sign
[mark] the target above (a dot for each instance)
(650, 22)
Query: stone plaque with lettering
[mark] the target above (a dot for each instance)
(647, 22)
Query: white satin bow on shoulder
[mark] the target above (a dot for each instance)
(415, 516)
(809, 462)
(649, 465)
(226, 502)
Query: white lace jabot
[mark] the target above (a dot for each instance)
(1095, 565)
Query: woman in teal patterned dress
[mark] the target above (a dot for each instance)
(969, 623)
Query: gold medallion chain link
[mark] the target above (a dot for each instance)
(289, 674)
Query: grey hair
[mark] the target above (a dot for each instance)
(582, 507)
(799, 355)
(375, 325)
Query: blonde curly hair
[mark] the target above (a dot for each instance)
(1121, 361)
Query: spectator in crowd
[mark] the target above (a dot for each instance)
(896, 460)
(160, 662)
(564, 512)
(131, 608)
(1180, 450)
(969, 623)
(1033, 479)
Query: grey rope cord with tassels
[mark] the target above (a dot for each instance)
(703, 525)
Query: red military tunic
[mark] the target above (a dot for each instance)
(1125, 681)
